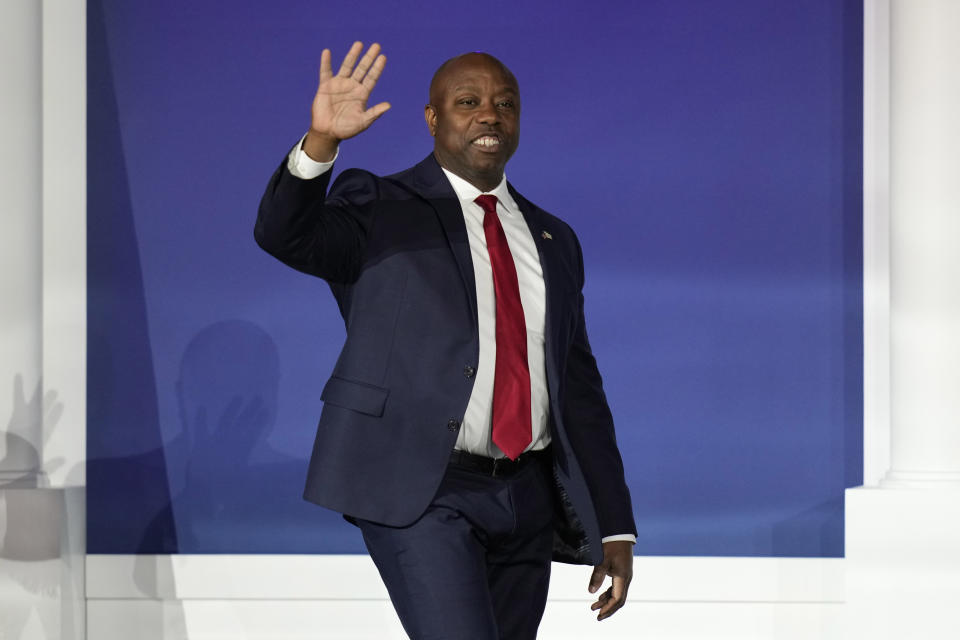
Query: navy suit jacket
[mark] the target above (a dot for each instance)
(395, 253)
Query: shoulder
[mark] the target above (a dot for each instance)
(359, 186)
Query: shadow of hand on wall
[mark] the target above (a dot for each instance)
(24, 438)
(30, 515)
(29, 520)
(220, 465)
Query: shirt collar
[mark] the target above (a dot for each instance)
(466, 192)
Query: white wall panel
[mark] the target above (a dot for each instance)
(21, 439)
(42, 93)
(256, 597)
(375, 620)
(64, 202)
(876, 240)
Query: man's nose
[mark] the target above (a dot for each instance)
(488, 113)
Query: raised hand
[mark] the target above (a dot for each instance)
(339, 108)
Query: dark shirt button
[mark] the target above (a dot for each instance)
(468, 371)
(453, 424)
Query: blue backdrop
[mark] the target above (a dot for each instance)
(708, 154)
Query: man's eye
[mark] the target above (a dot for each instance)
(507, 104)
(468, 101)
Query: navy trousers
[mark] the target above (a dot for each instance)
(476, 564)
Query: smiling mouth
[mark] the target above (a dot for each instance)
(486, 142)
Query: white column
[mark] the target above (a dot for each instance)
(42, 341)
(64, 294)
(20, 241)
(903, 535)
(26, 561)
(64, 201)
(876, 240)
(925, 243)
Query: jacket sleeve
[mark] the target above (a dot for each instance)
(589, 427)
(321, 234)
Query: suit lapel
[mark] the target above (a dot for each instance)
(552, 273)
(432, 185)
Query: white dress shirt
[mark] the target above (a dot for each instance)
(476, 434)
(476, 430)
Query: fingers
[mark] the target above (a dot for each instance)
(351, 59)
(375, 112)
(326, 71)
(602, 600)
(371, 78)
(339, 110)
(611, 600)
(617, 598)
(607, 604)
(372, 62)
(596, 578)
(618, 564)
(366, 61)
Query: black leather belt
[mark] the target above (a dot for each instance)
(496, 467)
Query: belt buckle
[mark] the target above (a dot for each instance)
(496, 463)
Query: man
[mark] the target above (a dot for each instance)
(464, 429)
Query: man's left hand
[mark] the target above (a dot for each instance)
(618, 564)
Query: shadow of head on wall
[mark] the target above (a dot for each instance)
(227, 393)
(227, 399)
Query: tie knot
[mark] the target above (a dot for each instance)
(487, 202)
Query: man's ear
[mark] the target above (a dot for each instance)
(430, 115)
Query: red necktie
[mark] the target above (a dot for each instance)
(511, 377)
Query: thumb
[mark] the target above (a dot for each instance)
(375, 112)
(596, 578)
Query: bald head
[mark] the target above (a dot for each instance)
(474, 118)
(454, 65)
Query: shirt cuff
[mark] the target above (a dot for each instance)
(629, 537)
(302, 166)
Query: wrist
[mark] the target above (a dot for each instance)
(320, 147)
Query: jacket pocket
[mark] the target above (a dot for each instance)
(357, 396)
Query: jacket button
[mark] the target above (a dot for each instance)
(453, 424)
(468, 371)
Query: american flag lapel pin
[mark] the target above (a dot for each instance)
(546, 235)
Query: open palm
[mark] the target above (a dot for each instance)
(340, 106)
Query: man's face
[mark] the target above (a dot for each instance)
(474, 117)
